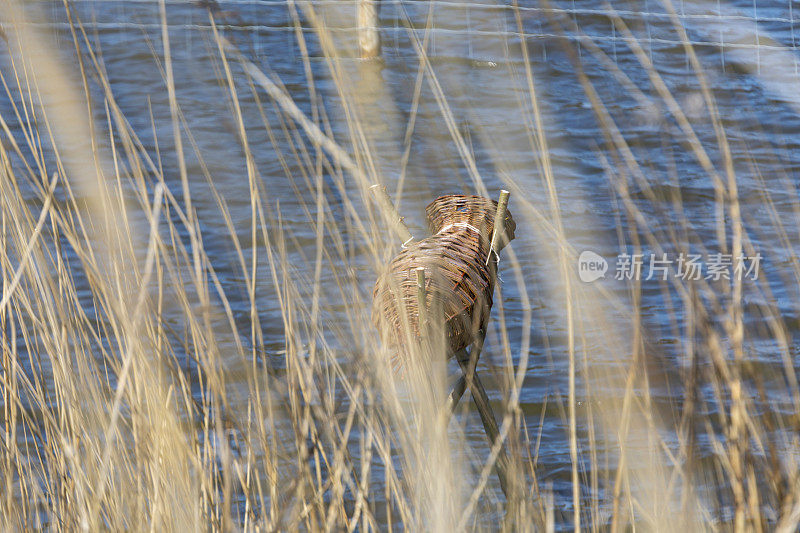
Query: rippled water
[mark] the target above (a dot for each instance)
(475, 51)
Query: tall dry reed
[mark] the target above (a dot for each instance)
(137, 396)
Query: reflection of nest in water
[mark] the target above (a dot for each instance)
(458, 282)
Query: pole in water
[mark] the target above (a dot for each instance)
(499, 230)
(369, 37)
(389, 209)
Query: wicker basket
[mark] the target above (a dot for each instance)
(459, 282)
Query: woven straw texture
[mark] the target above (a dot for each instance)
(459, 283)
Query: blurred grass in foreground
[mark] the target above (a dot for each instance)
(115, 417)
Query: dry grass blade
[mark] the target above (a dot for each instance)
(194, 208)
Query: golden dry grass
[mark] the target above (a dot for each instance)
(135, 398)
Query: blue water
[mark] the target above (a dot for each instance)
(475, 50)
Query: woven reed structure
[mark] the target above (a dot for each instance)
(459, 279)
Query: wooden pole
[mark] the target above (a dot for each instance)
(422, 308)
(369, 37)
(455, 395)
(398, 225)
(469, 378)
(499, 230)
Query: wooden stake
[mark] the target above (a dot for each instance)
(455, 395)
(388, 208)
(422, 308)
(481, 400)
(369, 37)
(499, 230)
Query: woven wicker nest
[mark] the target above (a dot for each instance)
(459, 283)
